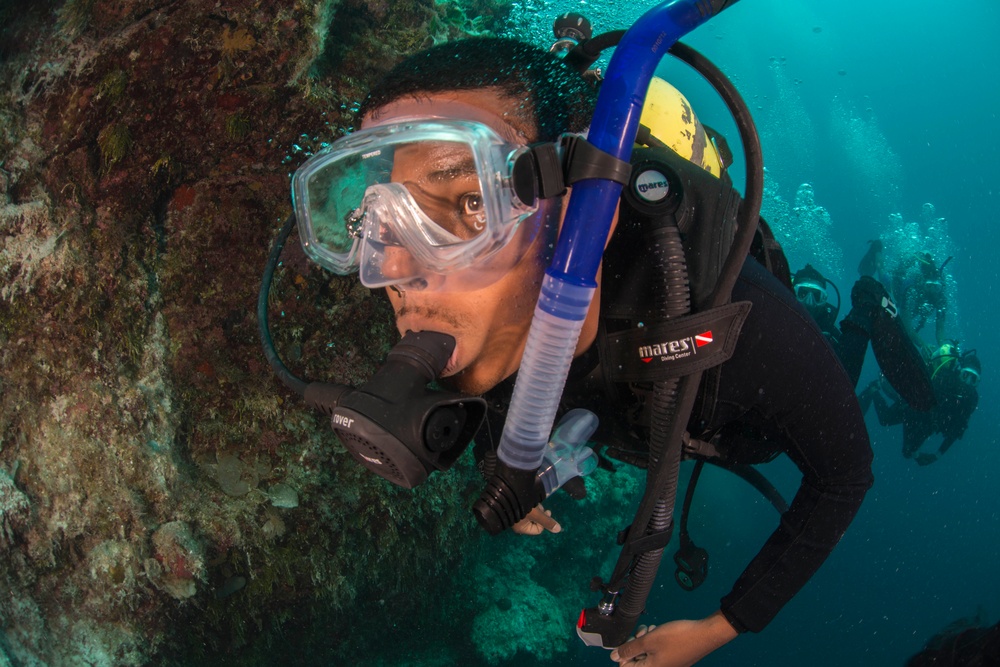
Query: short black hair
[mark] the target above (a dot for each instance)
(556, 98)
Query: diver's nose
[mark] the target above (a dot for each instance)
(399, 266)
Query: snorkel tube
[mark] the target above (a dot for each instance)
(565, 300)
(569, 284)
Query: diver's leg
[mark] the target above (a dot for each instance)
(912, 439)
(867, 395)
(851, 346)
(888, 415)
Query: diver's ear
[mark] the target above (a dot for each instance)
(614, 224)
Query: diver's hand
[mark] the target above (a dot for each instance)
(675, 644)
(925, 459)
(537, 521)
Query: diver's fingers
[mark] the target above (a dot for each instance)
(543, 517)
(628, 655)
(527, 527)
(537, 521)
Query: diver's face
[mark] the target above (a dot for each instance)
(490, 325)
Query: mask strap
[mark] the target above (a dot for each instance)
(545, 170)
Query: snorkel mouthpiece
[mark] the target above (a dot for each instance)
(397, 426)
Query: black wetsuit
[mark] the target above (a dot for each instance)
(849, 342)
(783, 390)
(784, 385)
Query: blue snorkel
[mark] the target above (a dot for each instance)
(569, 284)
(565, 301)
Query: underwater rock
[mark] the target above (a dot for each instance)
(274, 527)
(178, 561)
(234, 476)
(282, 495)
(14, 510)
(230, 586)
(532, 622)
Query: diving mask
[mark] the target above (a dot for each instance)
(422, 203)
(810, 294)
(969, 376)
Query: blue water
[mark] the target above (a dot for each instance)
(881, 108)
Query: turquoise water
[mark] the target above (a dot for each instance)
(881, 109)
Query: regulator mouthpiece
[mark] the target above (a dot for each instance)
(397, 426)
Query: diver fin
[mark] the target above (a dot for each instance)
(898, 357)
(871, 263)
(901, 363)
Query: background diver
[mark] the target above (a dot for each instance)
(873, 317)
(918, 283)
(955, 378)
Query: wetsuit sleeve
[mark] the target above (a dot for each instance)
(786, 381)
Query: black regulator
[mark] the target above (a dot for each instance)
(398, 425)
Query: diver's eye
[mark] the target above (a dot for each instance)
(472, 205)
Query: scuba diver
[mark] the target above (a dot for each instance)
(461, 196)
(873, 318)
(918, 284)
(955, 378)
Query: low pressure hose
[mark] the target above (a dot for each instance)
(286, 376)
(673, 299)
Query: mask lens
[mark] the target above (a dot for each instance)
(441, 178)
(810, 294)
(969, 377)
(424, 198)
(336, 192)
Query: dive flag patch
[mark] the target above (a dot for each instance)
(703, 338)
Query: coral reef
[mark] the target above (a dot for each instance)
(163, 500)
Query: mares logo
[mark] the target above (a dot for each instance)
(673, 350)
(652, 186)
